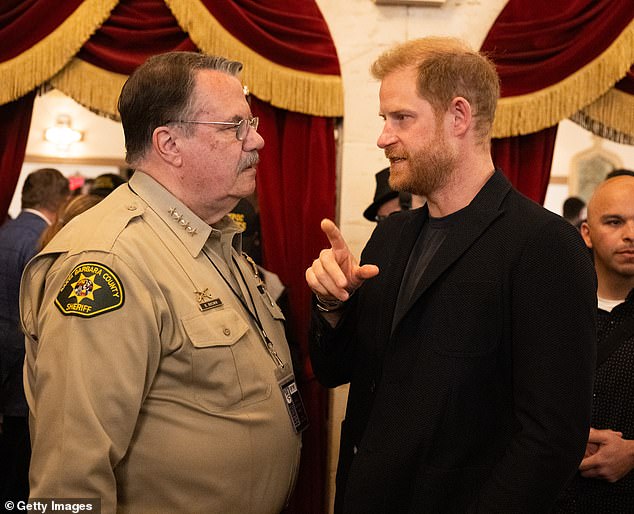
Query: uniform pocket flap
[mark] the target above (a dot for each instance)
(215, 328)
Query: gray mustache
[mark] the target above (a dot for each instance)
(251, 159)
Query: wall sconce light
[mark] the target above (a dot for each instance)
(61, 134)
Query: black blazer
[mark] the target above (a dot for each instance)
(478, 398)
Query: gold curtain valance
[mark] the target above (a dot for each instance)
(525, 114)
(611, 117)
(39, 63)
(91, 86)
(294, 90)
(53, 60)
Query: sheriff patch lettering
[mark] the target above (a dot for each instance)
(89, 290)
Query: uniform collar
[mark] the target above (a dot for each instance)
(227, 232)
(191, 230)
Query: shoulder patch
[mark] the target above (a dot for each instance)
(89, 290)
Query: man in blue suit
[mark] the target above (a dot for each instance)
(42, 194)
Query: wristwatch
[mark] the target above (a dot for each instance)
(324, 305)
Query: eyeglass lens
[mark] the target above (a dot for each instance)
(243, 127)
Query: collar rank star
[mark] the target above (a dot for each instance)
(192, 231)
(207, 301)
(89, 290)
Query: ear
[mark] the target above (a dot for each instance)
(585, 233)
(165, 141)
(461, 116)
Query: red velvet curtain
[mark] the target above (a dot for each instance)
(296, 177)
(17, 21)
(135, 30)
(526, 161)
(287, 32)
(15, 121)
(25, 22)
(296, 190)
(538, 43)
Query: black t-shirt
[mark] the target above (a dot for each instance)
(431, 237)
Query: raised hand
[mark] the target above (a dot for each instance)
(336, 272)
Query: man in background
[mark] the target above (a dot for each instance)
(605, 482)
(620, 172)
(387, 201)
(105, 184)
(44, 191)
(574, 211)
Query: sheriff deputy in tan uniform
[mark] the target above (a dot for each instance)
(157, 373)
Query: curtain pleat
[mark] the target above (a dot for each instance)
(296, 189)
(40, 36)
(15, 121)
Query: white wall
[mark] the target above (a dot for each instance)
(571, 141)
(101, 150)
(103, 138)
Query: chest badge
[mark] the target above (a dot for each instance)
(206, 301)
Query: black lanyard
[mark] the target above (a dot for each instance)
(253, 314)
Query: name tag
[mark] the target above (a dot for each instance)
(211, 304)
(294, 404)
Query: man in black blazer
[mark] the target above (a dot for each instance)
(467, 333)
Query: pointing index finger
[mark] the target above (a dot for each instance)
(333, 234)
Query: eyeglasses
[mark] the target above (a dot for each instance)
(242, 126)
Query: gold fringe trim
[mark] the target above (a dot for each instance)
(40, 62)
(91, 86)
(525, 114)
(611, 117)
(293, 90)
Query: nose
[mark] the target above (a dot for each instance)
(628, 230)
(386, 137)
(253, 141)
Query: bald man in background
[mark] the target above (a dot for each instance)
(605, 482)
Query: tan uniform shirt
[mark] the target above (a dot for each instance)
(148, 381)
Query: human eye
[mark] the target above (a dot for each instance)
(400, 117)
(613, 222)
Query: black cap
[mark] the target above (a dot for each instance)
(246, 217)
(106, 184)
(620, 172)
(382, 194)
